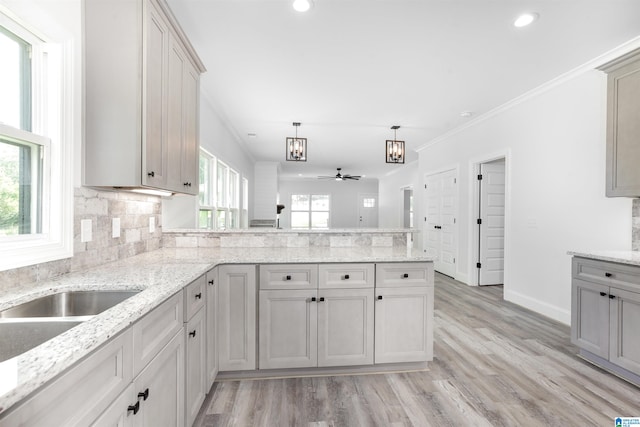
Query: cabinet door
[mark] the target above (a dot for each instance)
(175, 106)
(154, 111)
(212, 326)
(345, 327)
(404, 324)
(623, 131)
(624, 345)
(288, 329)
(196, 366)
(122, 412)
(190, 141)
(590, 317)
(237, 317)
(162, 381)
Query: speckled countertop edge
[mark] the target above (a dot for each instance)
(260, 230)
(622, 257)
(158, 275)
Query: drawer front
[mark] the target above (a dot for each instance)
(337, 276)
(288, 276)
(607, 273)
(194, 297)
(403, 274)
(87, 389)
(155, 330)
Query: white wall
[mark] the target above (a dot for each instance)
(391, 197)
(554, 142)
(344, 198)
(179, 211)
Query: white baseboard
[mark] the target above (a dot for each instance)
(546, 309)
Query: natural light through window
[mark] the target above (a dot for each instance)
(310, 211)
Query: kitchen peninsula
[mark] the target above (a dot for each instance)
(374, 263)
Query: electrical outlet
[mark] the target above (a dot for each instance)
(115, 228)
(85, 230)
(152, 224)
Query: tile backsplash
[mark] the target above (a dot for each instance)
(635, 236)
(101, 207)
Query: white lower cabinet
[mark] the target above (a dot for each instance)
(195, 366)
(605, 315)
(237, 317)
(328, 325)
(404, 312)
(212, 327)
(404, 331)
(345, 327)
(288, 329)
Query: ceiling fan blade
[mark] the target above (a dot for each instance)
(356, 177)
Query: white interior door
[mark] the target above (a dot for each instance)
(440, 236)
(367, 210)
(491, 228)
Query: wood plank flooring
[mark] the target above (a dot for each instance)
(495, 364)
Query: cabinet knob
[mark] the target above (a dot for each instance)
(144, 395)
(603, 294)
(151, 174)
(321, 299)
(187, 184)
(287, 277)
(198, 295)
(313, 299)
(611, 296)
(346, 277)
(192, 334)
(211, 282)
(379, 297)
(405, 276)
(135, 408)
(608, 274)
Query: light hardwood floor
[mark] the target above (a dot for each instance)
(495, 364)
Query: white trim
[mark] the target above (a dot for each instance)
(562, 78)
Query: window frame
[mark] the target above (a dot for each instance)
(54, 126)
(310, 212)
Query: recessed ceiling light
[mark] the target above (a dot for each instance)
(302, 5)
(525, 19)
(251, 135)
(466, 114)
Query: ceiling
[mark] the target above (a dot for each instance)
(350, 69)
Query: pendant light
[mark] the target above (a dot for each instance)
(394, 150)
(296, 147)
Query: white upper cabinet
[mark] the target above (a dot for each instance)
(141, 98)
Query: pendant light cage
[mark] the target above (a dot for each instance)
(296, 148)
(394, 149)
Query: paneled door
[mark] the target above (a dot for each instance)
(441, 229)
(491, 227)
(367, 210)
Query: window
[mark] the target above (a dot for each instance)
(219, 196)
(36, 131)
(245, 203)
(310, 211)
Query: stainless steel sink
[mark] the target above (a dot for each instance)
(68, 304)
(20, 336)
(28, 325)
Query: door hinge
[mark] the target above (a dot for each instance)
(479, 221)
(425, 219)
(425, 186)
(454, 260)
(478, 265)
(454, 220)
(455, 180)
(479, 177)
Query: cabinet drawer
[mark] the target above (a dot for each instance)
(155, 330)
(346, 276)
(194, 297)
(607, 273)
(77, 396)
(288, 276)
(404, 274)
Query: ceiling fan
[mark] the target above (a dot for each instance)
(340, 177)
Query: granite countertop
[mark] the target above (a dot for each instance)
(622, 257)
(258, 230)
(158, 275)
